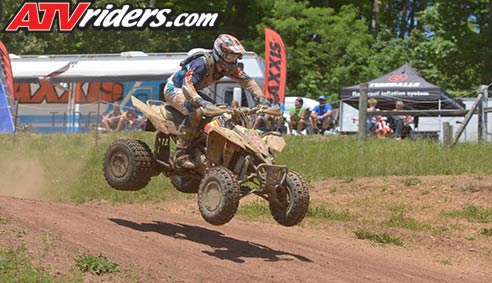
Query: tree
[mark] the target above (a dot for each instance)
(325, 50)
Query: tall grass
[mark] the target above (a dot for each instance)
(318, 157)
(69, 167)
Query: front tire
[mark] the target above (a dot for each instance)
(294, 200)
(128, 165)
(218, 196)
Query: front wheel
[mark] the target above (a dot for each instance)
(128, 165)
(293, 199)
(218, 196)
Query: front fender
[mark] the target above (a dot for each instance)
(274, 141)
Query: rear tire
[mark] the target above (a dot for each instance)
(128, 165)
(187, 185)
(294, 197)
(218, 196)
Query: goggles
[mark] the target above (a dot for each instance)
(231, 58)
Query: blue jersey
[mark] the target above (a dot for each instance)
(196, 72)
(322, 109)
(196, 76)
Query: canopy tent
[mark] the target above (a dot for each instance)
(403, 84)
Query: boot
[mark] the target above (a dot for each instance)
(182, 158)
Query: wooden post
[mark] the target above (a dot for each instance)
(480, 119)
(364, 87)
(467, 119)
(447, 135)
(484, 89)
(98, 113)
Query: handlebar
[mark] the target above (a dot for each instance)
(261, 109)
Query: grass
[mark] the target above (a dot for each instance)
(381, 238)
(411, 182)
(472, 213)
(318, 212)
(254, 209)
(399, 219)
(4, 220)
(486, 232)
(260, 208)
(70, 166)
(95, 264)
(15, 266)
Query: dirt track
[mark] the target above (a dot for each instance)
(153, 245)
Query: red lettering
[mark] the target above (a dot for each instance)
(30, 11)
(46, 92)
(66, 22)
(108, 92)
(28, 16)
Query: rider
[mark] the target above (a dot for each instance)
(197, 74)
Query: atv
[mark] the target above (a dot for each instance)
(232, 161)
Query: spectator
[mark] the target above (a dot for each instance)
(371, 120)
(113, 120)
(321, 116)
(401, 122)
(375, 123)
(297, 115)
(267, 123)
(234, 104)
(132, 121)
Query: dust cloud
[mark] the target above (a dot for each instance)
(22, 177)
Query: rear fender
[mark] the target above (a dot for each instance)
(156, 115)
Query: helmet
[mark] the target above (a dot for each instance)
(227, 48)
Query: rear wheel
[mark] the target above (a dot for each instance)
(128, 165)
(187, 185)
(294, 201)
(218, 196)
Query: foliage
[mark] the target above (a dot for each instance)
(325, 50)
(96, 264)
